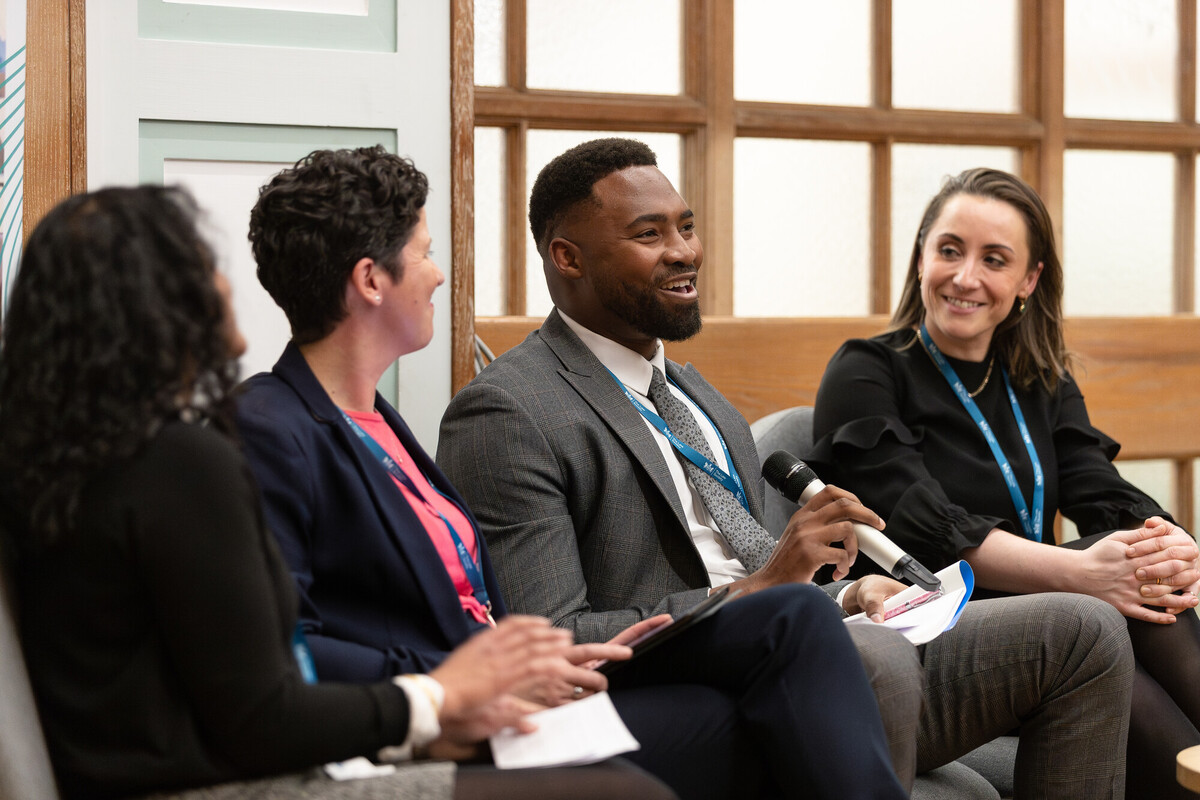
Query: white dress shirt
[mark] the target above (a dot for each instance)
(635, 372)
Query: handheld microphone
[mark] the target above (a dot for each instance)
(796, 481)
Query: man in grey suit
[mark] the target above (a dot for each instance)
(594, 522)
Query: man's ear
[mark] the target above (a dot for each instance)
(565, 257)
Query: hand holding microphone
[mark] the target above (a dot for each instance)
(796, 481)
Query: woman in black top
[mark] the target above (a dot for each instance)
(158, 619)
(975, 350)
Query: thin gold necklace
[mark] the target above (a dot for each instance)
(986, 376)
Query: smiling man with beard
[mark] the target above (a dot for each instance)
(593, 521)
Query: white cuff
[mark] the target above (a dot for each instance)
(425, 700)
(842, 596)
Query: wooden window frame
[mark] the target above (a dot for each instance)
(710, 119)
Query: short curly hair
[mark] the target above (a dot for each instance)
(569, 178)
(314, 221)
(114, 326)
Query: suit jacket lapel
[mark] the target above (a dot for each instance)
(394, 513)
(584, 372)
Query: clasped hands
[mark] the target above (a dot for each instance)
(1144, 567)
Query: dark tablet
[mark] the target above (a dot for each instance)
(651, 639)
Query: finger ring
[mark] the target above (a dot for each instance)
(577, 691)
(1156, 580)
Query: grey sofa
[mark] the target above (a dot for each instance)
(984, 773)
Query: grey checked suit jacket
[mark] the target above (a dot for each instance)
(545, 436)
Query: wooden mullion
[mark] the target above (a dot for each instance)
(515, 52)
(514, 219)
(1113, 134)
(880, 292)
(857, 123)
(1185, 170)
(1051, 46)
(716, 215)
(462, 193)
(1187, 61)
(881, 66)
(1029, 86)
(881, 228)
(514, 45)
(1184, 259)
(695, 81)
(552, 108)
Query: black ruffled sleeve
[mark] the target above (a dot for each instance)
(870, 441)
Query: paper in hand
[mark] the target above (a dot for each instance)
(926, 621)
(581, 732)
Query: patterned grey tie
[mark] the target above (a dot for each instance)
(749, 540)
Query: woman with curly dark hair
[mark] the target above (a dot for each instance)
(158, 619)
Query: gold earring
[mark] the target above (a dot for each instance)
(1021, 310)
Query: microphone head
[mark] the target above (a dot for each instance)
(788, 474)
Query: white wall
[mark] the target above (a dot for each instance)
(191, 93)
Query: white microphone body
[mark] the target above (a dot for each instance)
(796, 481)
(872, 543)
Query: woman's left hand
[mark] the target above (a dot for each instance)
(1163, 558)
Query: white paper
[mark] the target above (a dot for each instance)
(356, 768)
(581, 732)
(925, 622)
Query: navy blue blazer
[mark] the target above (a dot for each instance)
(375, 597)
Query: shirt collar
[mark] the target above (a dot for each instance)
(631, 368)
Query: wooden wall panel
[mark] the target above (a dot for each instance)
(1139, 375)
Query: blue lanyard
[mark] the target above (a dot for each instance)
(1032, 527)
(473, 570)
(729, 479)
(303, 655)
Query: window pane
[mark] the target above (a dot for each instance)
(947, 54)
(1118, 223)
(801, 228)
(490, 252)
(1120, 59)
(489, 42)
(616, 46)
(544, 145)
(809, 51)
(918, 171)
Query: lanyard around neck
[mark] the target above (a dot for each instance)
(1031, 525)
(473, 570)
(729, 479)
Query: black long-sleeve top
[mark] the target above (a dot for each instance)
(889, 428)
(158, 635)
